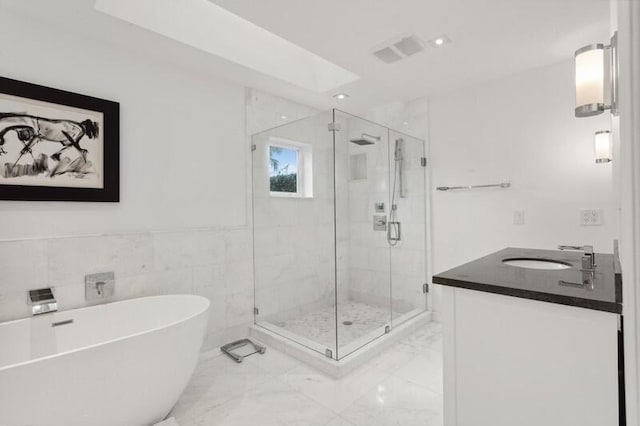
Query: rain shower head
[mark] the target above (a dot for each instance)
(365, 139)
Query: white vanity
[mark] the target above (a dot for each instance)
(531, 347)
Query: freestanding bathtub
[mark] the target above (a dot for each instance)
(117, 364)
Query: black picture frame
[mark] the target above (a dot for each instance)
(110, 192)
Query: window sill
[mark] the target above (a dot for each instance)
(291, 195)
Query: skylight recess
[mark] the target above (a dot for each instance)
(213, 29)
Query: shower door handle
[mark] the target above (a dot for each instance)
(394, 232)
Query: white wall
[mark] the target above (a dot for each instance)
(182, 223)
(520, 130)
(181, 136)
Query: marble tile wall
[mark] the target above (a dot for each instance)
(294, 236)
(215, 263)
(376, 271)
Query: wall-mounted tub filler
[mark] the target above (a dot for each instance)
(99, 286)
(42, 301)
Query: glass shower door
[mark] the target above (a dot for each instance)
(361, 208)
(407, 226)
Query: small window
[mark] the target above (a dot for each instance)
(290, 168)
(284, 171)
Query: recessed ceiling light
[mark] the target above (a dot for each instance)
(284, 117)
(440, 41)
(341, 96)
(406, 123)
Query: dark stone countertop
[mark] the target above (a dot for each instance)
(564, 287)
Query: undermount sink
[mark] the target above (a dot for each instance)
(547, 264)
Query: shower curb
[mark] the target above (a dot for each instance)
(346, 365)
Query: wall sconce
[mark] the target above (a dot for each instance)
(592, 73)
(603, 147)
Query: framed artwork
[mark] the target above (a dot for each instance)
(57, 145)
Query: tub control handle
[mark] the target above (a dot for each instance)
(99, 286)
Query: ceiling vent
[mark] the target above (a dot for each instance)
(388, 55)
(398, 49)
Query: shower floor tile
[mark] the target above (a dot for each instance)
(355, 320)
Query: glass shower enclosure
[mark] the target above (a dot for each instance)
(339, 220)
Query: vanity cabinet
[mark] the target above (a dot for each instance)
(515, 354)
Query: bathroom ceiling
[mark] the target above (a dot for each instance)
(490, 39)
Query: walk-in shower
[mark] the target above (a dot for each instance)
(339, 210)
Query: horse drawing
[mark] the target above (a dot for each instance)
(31, 129)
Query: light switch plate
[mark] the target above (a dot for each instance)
(591, 217)
(518, 217)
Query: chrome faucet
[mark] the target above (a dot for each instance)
(589, 257)
(42, 301)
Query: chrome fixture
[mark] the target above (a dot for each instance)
(592, 75)
(589, 257)
(99, 286)
(492, 185)
(587, 281)
(63, 322)
(378, 207)
(379, 222)
(230, 347)
(42, 301)
(603, 146)
(365, 139)
(394, 231)
(398, 158)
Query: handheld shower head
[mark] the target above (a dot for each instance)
(398, 152)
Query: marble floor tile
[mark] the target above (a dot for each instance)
(424, 369)
(271, 403)
(430, 337)
(339, 421)
(336, 394)
(401, 386)
(273, 361)
(217, 380)
(395, 401)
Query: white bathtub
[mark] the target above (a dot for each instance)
(117, 364)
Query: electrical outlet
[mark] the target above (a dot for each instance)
(518, 217)
(591, 217)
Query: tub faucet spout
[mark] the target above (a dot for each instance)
(42, 301)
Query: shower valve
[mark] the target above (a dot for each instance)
(379, 223)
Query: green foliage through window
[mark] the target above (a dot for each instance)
(283, 174)
(284, 183)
